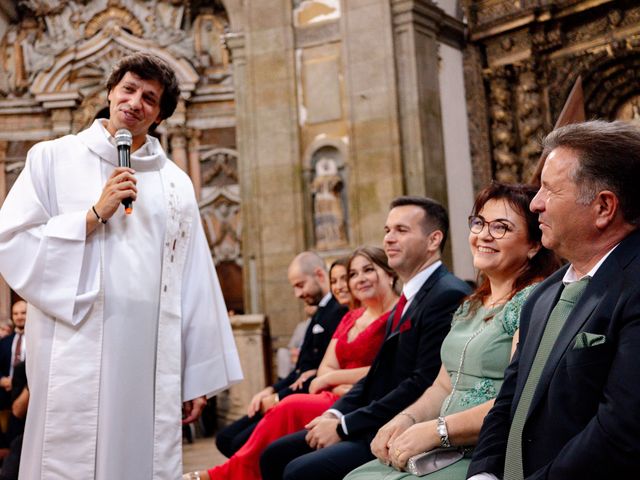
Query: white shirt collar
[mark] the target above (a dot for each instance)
(571, 275)
(326, 299)
(415, 284)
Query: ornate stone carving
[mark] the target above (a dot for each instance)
(220, 204)
(77, 33)
(478, 118)
(530, 113)
(502, 125)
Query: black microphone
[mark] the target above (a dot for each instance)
(123, 142)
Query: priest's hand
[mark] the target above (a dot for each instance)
(120, 185)
(322, 431)
(191, 409)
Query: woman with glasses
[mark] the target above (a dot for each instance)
(505, 242)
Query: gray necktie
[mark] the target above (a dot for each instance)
(570, 295)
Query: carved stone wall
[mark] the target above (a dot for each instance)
(55, 57)
(533, 52)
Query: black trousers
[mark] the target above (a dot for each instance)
(231, 438)
(290, 458)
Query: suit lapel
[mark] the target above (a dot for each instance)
(593, 295)
(417, 300)
(577, 318)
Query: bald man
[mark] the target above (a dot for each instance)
(309, 279)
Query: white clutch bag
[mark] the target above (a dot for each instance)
(434, 460)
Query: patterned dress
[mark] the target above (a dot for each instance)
(487, 355)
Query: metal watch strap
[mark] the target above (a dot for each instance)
(444, 434)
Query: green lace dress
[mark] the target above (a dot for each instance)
(487, 354)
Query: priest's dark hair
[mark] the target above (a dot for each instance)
(149, 67)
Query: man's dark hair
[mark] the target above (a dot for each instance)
(435, 215)
(608, 159)
(149, 67)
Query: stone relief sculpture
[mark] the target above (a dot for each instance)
(328, 204)
(530, 119)
(502, 135)
(208, 31)
(220, 204)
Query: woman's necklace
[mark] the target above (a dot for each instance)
(464, 350)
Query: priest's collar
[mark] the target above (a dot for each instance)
(97, 138)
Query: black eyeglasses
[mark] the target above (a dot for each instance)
(497, 228)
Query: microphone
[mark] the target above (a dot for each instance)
(123, 142)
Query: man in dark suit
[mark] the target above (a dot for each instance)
(309, 278)
(406, 365)
(568, 408)
(12, 351)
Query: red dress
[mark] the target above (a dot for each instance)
(295, 411)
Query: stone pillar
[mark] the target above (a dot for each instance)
(374, 145)
(193, 136)
(5, 291)
(269, 158)
(416, 26)
(179, 148)
(248, 333)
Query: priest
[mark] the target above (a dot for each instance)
(128, 330)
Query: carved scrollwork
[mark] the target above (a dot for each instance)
(502, 125)
(530, 112)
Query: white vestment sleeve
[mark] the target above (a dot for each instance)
(44, 255)
(210, 360)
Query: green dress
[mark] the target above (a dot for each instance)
(486, 356)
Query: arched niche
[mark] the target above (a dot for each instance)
(326, 195)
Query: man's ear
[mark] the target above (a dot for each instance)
(606, 205)
(434, 240)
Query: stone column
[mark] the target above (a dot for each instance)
(193, 136)
(417, 25)
(178, 144)
(269, 158)
(5, 292)
(248, 334)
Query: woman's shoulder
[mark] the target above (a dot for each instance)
(510, 315)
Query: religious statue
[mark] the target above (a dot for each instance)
(328, 208)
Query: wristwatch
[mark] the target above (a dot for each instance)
(444, 434)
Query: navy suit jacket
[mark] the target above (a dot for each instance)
(409, 359)
(5, 368)
(584, 420)
(316, 340)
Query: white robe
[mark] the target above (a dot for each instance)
(123, 325)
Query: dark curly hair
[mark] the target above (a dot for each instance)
(149, 67)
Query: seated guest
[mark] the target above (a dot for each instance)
(568, 408)
(351, 351)
(505, 243)
(338, 441)
(308, 276)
